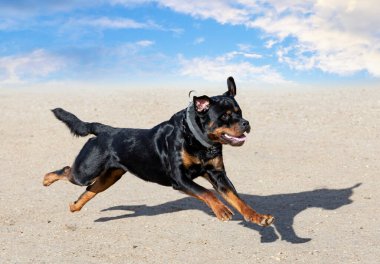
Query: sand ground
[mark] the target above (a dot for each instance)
(312, 160)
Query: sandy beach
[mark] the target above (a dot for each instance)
(312, 160)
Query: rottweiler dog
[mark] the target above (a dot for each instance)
(172, 153)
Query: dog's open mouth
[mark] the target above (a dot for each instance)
(234, 141)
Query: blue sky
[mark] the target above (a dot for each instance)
(263, 43)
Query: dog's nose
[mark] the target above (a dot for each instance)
(245, 125)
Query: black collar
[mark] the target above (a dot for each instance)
(194, 128)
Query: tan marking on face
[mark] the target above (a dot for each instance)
(234, 131)
(188, 160)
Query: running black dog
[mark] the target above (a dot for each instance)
(172, 153)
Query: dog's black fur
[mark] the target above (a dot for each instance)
(172, 153)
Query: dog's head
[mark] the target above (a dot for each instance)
(220, 117)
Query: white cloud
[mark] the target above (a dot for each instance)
(112, 23)
(330, 38)
(251, 55)
(244, 47)
(107, 23)
(269, 44)
(20, 68)
(91, 62)
(128, 49)
(340, 36)
(221, 11)
(145, 43)
(216, 69)
(231, 63)
(29, 8)
(199, 40)
(7, 24)
(233, 54)
(129, 2)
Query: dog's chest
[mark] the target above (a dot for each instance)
(198, 163)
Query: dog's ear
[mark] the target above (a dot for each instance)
(201, 103)
(231, 87)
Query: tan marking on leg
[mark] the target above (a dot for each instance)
(62, 174)
(100, 185)
(248, 213)
(82, 200)
(221, 211)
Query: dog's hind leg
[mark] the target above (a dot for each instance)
(62, 174)
(102, 183)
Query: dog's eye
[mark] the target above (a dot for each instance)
(225, 116)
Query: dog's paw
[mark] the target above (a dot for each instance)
(260, 219)
(74, 207)
(49, 179)
(222, 212)
(266, 220)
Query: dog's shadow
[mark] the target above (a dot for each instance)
(283, 206)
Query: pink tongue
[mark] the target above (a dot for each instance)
(240, 139)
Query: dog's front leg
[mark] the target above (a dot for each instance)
(186, 185)
(223, 185)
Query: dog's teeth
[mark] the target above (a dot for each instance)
(242, 138)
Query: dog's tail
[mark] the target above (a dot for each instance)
(78, 127)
